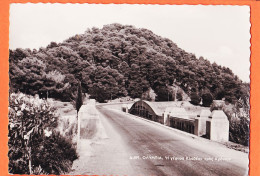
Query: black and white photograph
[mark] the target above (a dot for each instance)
(129, 89)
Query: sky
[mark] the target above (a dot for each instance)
(220, 33)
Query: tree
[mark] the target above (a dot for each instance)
(133, 60)
(138, 84)
(149, 95)
(54, 86)
(220, 93)
(106, 84)
(27, 75)
(137, 87)
(207, 99)
(195, 98)
(165, 93)
(79, 99)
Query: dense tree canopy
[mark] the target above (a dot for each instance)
(116, 61)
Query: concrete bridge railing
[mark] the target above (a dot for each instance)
(89, 124)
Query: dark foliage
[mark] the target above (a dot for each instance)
(179, 95)
(207, 99)
(239, 131)
(195, 98)
(54, 154)
(79, 99)
(164, 94)
(116, 61)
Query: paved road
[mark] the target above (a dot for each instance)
(140, 148)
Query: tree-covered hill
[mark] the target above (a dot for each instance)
(116, 61)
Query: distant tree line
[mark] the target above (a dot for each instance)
(120, 60)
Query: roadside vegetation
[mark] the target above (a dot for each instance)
(67, 121)
(239, 119)
(36, 146)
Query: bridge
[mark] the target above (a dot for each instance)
(113, 142)
(185, 117)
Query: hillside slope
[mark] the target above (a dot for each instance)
(116, 61)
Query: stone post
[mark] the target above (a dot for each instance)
(218, 126)
(166, 119)
(200, 122)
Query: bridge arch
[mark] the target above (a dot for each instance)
(147, 110)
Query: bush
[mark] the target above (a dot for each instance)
(239, 131)
(238, 122)
(34, 145)
(179, 95)
(220, 94)
(217, 105)
(207, 99)
(164, 94)
(149, 95)
(56, 155)
(195, 98)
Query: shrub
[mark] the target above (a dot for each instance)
(220, 94)
(238, 122)
(195, 98)
(149, 95)
(34, 145)
(217, 105)
(179, 95)
(164, 94)
(239, 131)
(207, 99)
(56, 154)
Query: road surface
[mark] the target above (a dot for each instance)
(135, 147)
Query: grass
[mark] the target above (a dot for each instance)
(64, 108)
(67, 123)
(237, 147)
